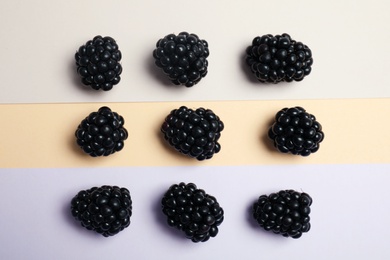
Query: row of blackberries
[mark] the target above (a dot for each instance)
(107, 210)
(183, 58)
(196, 133)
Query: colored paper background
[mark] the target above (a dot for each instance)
(348, 39)
(46, 137)
(348, 215)
(42, 102)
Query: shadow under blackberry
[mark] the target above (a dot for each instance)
(268, 143)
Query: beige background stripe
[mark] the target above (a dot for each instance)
(42, 135)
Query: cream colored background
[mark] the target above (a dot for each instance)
(43, 135)
(39, 38)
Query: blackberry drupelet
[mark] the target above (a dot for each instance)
(106, 210)
(285, 212)
(192, 211)
(296, 131)
(278, 58)
(98, 63)
(101, 133)
(183, 58)
(193, 132)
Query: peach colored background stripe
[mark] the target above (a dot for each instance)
(42, 135)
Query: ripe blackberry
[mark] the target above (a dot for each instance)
(106, 210)
(296, 131)
(192, 211)
(183, 58)
(193, 132)
(98, 63)
(278, 58)
(285, 212)
(101, 133)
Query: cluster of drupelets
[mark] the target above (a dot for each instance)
(183, 58)
(107, 210)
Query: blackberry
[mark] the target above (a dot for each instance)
(183, 58)
(98, 63)
(192, 211)
(296, 131)
(285, 212)
(278, 58)
(106, 210)
(193, 132)
(101, 133)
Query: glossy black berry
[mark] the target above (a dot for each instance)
(106, 210)
(285, 212)
(192, 211)
(278, 58)
(193, 132)
(101, 133)
(296, 131)
(182, 57)
(98, 63)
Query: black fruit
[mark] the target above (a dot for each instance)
(192, 211)
(98, 63)
(183, 58)
(193, 132)
(106, 210)
(285, 213)
(296, 131)
(278, 58)
(101, 133)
